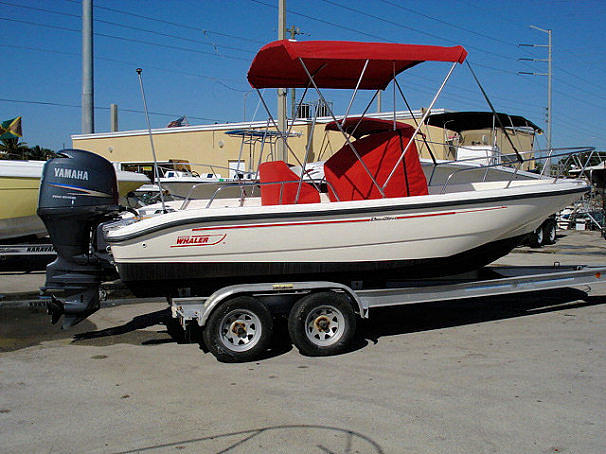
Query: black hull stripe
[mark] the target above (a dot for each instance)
(346, 211)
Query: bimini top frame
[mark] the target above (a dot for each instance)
(344, 65)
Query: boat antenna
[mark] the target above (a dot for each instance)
(151, 140)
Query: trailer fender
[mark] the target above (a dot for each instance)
(232, 291)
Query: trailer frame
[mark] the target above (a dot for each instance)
(287, 297)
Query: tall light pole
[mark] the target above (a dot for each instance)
(547, 167)
(282, 149)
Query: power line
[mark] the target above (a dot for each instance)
(131, 40)
(427, 16)
(43, 10)
(78, 106)
(123, 62)
(220, 81)
(420, 31)
(181, 25)
(372, 35)
(477, 34)
(130, 27)
(580, 89)
(406, 27)
(322, 21)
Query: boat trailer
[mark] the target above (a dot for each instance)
(237, 320)
(26, 256)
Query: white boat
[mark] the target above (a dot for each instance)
(435, 234)
(19, 184)
(595, 173)
(476, 135)
(181, 182)
(378, 219)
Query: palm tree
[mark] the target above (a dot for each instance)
(37, 153)
(12, 149)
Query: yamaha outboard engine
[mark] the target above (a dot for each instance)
(78, 191)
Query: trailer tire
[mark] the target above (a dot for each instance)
(549, 231)
(239, 330)
(322, 324)
(537, 238)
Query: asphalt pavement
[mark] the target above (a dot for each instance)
(512, 374)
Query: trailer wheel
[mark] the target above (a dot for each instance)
(536, 238)
(238, 330)
(322, 324)
(549, 231)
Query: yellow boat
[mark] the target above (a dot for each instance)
(19, 184)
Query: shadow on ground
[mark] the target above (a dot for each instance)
(412, 318)
(21, 328)
(26, 327)
(299, 438)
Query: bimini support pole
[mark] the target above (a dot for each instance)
(347, 141)
(393, 77)
(355, 92)
(421, 122)
(433, 158)
(494, 112)
(281, 133)
(306, 158)
(364, 112)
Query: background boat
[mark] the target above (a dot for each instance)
(19, 185)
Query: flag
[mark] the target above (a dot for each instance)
(176, 123)
(11, 129)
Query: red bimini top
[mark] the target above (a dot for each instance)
(338, 64)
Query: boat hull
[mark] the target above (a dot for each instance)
(18, 202)
(203, 278)
(406, 238)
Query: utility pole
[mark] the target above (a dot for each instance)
(113, 117)
(547, 167)
(88, 99)
(294, 31)
(282, 149)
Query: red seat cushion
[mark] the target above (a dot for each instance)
(278, 171)
(380, 152)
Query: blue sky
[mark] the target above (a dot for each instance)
(195, 55)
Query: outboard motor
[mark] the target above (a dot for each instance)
(78, 191)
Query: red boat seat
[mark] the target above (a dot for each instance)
(277, 171)
(347, 177)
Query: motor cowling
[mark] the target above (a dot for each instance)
(78, 191)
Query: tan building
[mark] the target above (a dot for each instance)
(207, 146)
(212, 149)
